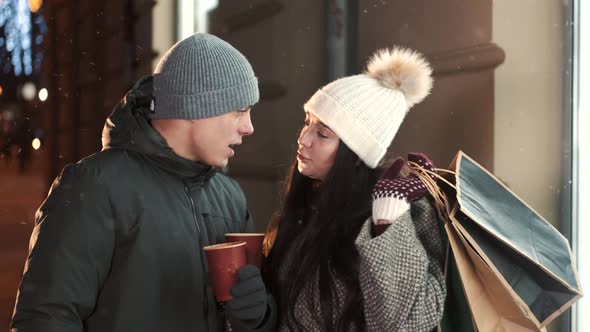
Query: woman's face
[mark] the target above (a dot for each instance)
(317, 148)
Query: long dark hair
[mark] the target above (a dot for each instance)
(314, 235)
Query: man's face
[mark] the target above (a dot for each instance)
(212, 139)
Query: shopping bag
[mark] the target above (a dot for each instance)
(517, 271)
(456, 315)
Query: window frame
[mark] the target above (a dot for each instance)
(580, 136)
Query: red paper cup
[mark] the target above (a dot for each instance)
(224, 260)
(253, 245)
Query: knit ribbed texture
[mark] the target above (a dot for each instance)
(389, 208)
(400, 274)
(362, 112)
(200, 77)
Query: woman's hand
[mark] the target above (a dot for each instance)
(393, 193)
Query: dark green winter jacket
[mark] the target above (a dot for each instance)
(117, 243)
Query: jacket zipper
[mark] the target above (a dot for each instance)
(203, 259)
(194, 208)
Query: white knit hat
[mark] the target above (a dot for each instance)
(366, 110)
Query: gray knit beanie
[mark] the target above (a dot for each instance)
(202, 76)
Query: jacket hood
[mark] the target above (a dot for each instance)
(128, 128)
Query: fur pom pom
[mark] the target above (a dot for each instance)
(404, 70)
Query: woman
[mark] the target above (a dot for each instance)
(326, 266)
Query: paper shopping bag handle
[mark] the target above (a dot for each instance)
(428, 178)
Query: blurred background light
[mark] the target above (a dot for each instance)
(29, 91)
(43, 94)
(36, 144)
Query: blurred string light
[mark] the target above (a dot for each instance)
(35, 5)
(36, 144)
(28, 91)
(22, 27)
(43, 94)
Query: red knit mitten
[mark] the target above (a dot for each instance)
(393, 193)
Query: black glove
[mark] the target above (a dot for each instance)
(249, 299)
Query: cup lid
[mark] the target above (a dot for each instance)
(224, 245)
(244, 234)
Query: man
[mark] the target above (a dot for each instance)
(117, 244)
